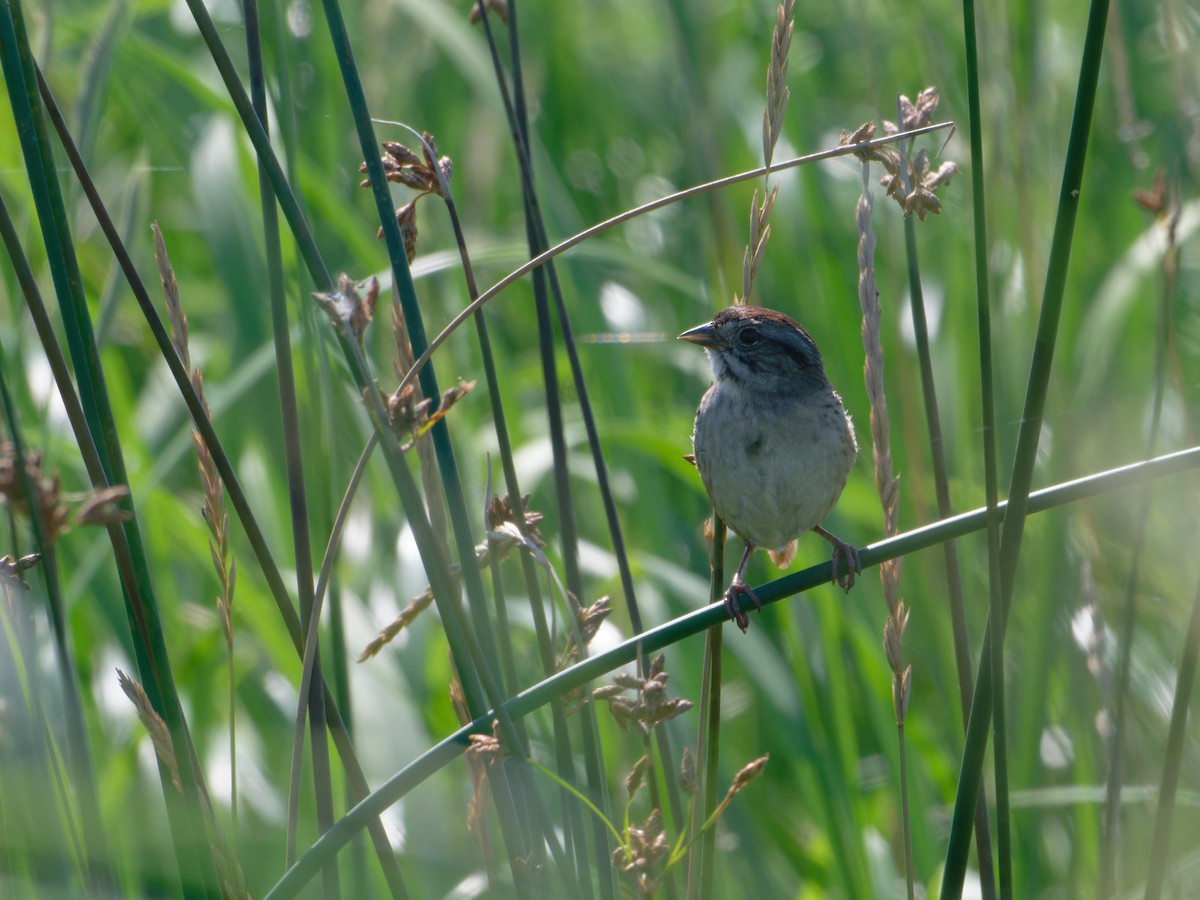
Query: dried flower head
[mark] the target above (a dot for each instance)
(645, 849)
(423, 173)
(501, 520)
(650, 704)
(410, 418)
(346, 308)
(499, 7)
(588, 620)
(488, 748)
(920, 113)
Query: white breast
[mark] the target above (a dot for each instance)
(772, 474)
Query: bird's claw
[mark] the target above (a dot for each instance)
(842, 550)
(734, 608)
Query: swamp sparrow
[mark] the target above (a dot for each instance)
(772, 440)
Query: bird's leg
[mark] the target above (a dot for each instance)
(737, 586)
(842, 550)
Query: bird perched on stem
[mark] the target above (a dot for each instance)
(772, 441)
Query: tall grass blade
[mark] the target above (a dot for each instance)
(1027, 444)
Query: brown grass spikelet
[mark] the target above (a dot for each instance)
(887, 485)
(155, 727)
(499, 7)
(744, 776)
(777, 90)
(637, 775)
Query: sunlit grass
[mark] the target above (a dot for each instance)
(628, 102)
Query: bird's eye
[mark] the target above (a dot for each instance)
(748, 337)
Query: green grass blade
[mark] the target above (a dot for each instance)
(1027, 441)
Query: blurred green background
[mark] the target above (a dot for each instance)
(630, 101)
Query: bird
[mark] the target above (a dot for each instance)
(772, 440)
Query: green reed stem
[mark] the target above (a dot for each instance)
(987, 438)
(1027, 444)
(184, 812)
(693, 623)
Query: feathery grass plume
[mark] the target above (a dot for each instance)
(155, 727)
(887, 485)
(215, 515)
(773, 115)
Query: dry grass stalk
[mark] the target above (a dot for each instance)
(773, 115)
(229, 871)
(215, 515)
(155, 727)
(887, 485)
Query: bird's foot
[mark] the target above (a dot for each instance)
(735, 609)
(842, 551)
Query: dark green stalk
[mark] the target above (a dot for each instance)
(988, 439)
(477, 678)
(701, 868)
(517, 116)
(196, 865)
(693, 623)
(293, 441)
(93, 850)
(958, 617)
(233, 488)
(1027, 442)
(79, 755)
(487, 668)
(486, 663)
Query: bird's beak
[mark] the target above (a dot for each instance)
(702, 335)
